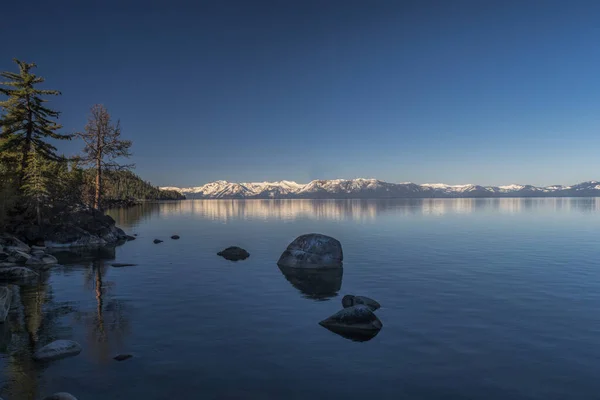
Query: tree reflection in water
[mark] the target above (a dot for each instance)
(108, 323)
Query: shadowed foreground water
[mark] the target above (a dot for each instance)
(481, 299)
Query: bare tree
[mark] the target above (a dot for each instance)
(103, 146)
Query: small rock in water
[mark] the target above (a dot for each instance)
(135, 234)
(123, 357)
(57, 350)
(61, 396)
(5, 299)
(156, 241)
(130, 238)
(357, 323)
(234, 253)
(120, 265)
(349, 301)
(175, 237)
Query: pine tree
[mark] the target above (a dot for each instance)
(103, 145)
(26, 123)
(35, 184)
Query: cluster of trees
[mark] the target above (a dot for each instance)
(35, 179)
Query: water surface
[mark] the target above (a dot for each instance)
(481, 299)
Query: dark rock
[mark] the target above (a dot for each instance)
(313, 251)
(130, 238)
(357, 323)
(19, 257)
(45, 259)
(3, 256)
(5, 300)
(135, 234)
(175, 237)
(120, 265)
(156, 241)
(60, 396)
(11, 243)
(350, 300)
(320, 284)
(11, 272)
(234, 253)
(57, 350)
(123, 357)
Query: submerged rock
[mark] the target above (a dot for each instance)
(357, 323)
(57, 350)
(234, 253)
(5, 300)
(123, 357)
(175, 237)
(45, 259)
(312, 250)
(350, 300)
(120, 265)
(157, 241)
(15, 272)
(60, 396)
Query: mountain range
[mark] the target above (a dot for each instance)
(376, 189)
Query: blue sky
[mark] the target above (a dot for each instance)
(489, 92)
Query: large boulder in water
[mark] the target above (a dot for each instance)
(57, 350)
(357, 323)
(312, 250)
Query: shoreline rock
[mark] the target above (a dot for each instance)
(5, 300)
(60, 396)
(82, 227)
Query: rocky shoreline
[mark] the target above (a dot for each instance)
(84, 227)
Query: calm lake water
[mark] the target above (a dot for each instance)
(481, 299)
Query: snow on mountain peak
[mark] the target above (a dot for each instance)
(372, 188)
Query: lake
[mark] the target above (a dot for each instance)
(481, 299)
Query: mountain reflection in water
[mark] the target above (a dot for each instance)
(337, 210)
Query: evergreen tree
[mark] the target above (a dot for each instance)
(35, 185)
(26, 122)
(103, 146)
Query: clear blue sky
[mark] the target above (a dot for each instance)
(489, 92)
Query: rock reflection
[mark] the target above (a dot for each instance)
(315, 284)
(354, 336)
(108, 323)
(34, 319)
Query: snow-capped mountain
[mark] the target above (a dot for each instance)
(374, 188)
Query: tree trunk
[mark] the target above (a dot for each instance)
(98, 196)
(38, 213)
